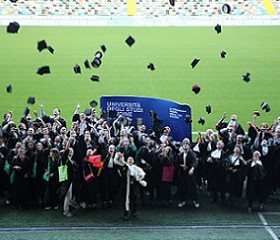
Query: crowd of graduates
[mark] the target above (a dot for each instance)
(99, 162)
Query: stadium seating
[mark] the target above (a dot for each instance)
(144, 7)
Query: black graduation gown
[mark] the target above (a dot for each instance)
(217, 174)
(255, 183)
(186, 183)
(236, 172)
(20, 182)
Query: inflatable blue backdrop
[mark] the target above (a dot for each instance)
(148, 110)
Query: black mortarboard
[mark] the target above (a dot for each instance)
(13, 27)
(31, 100)
(98, 54)
(87, 64)
(218, 28)
(95, 78)
(172, 2)
(13, 1)
(151, 66)
(196, 88)
(93, 103)
(77, 69)
(51, 50)
(257, 113)
(26, 111)
(195, 62)
(130, 41)
(41, 45)
(43, 70)
(201, 121)
(226, 8)
(208, 109)
(96, 62)
(9, 88)
(223, 54)
(265, 107)
(103, 48)
(246, 77)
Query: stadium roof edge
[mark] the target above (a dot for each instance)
(142, 21)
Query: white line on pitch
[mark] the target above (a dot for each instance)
(271, 213)
(267, 227)
(156, 227)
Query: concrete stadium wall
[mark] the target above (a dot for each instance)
(142, 21)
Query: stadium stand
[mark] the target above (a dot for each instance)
(151, 8)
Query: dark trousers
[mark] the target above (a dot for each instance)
(51, 194)
(187, 188)
(255, 191)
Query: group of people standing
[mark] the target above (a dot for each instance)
(104, 162)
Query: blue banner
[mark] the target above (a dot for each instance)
(151, 111)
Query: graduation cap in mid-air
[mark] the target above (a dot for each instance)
(265, 107)
(42, 45)
(9, 88)
(95, 78)
(218, 28)
(98, 54)
(43, 70)
(96, 62)
(151, 66)
(13, 1)
(195, 62)
(246, 77)
(208, 109)
(130, 41)
(31, 100)
(223, 54)
(201, 121)
(87, 64)
(172, 2)
(77, 69)
(13, 27)
(196, 88)
(103, 48)
(226, 8)
(93, 103)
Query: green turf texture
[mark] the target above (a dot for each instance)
(171, 49)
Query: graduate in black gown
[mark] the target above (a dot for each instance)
(186, 165)
(217, 173)
(236, 172)
(255, 182)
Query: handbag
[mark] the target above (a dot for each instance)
(63, 173)
(167, 173)
(7, 167)
(90, 176)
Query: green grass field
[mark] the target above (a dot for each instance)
(250, 49)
